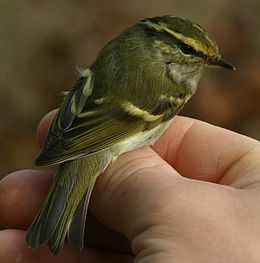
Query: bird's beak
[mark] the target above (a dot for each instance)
(220, 62)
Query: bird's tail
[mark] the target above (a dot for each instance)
(69, 195)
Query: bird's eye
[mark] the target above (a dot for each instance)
(186, 49)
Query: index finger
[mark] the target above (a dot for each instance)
(199, 150)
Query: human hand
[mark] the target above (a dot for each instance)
(193, 197)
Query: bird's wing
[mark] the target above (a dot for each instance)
(83, 125)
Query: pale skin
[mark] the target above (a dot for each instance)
(193, 197)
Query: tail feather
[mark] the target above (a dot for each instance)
(55, 243)
(52, 223)
(77, 226)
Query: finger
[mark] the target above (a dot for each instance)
(22, 193)
(13, 248)
(202, 151)
(44, 125)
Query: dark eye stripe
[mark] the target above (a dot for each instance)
(187, 49)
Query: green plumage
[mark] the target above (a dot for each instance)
(126, 99)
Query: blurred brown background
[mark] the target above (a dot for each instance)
(42, 42)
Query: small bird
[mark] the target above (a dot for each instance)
(126, 99)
